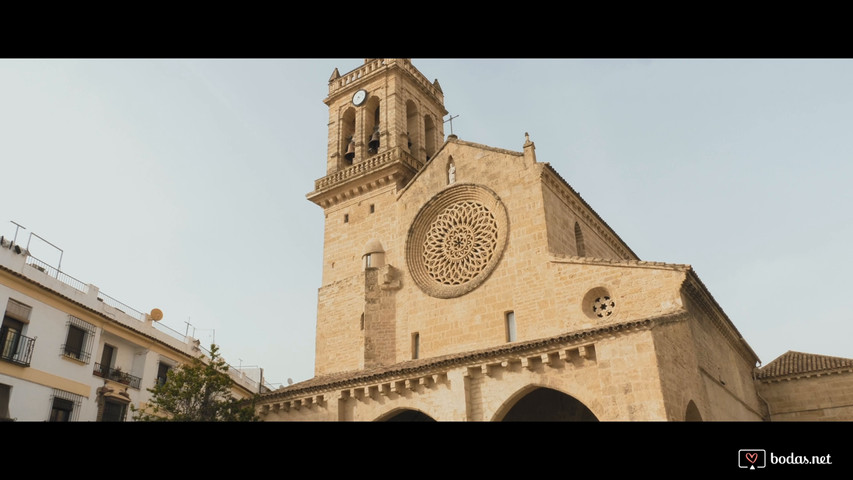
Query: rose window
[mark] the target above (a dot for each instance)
(460, 243)
(456, 240)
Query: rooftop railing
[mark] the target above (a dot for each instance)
(79, 285)
(57, 274)
(121, 306)
(18, 349)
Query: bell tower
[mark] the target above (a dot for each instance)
(382, 106)
(385, 123)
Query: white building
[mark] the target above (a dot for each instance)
(70, 353)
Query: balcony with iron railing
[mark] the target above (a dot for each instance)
(16, 348)
(117, 375)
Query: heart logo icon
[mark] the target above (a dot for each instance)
(752, 457)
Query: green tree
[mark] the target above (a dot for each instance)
(199, 391)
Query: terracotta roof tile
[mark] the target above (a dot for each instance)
(802, 364)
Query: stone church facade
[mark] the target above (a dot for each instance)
(463, 282)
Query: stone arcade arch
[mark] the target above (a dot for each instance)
(542, 404)
(405, 415)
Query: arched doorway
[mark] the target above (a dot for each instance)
(548, 405)
(406, 416)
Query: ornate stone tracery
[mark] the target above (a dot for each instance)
(599, 303)
(603, 306)
(456, 240)
(460, 243)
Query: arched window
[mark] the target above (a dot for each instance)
(510, 326)
(579, 241)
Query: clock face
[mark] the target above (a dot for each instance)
(359, 97)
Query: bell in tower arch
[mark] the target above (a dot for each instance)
(373, 144)
(350, 155)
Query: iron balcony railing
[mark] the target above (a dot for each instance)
(16, 348)
(116, 375)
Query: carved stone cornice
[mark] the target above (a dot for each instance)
(390, 166)
(609, 262)
(372, 67)
(530, 354)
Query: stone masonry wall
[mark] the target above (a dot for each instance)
(560, 221)
(340, 341)
(816, 398)
(725, 367)
(613, 376)
(681, 378)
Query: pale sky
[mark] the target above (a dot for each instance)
(180, 184)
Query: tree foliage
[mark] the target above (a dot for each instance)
(199, 391)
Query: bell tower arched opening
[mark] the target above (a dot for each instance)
(412, 128)
(429, 137)
(372, 126)
(347, 139)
